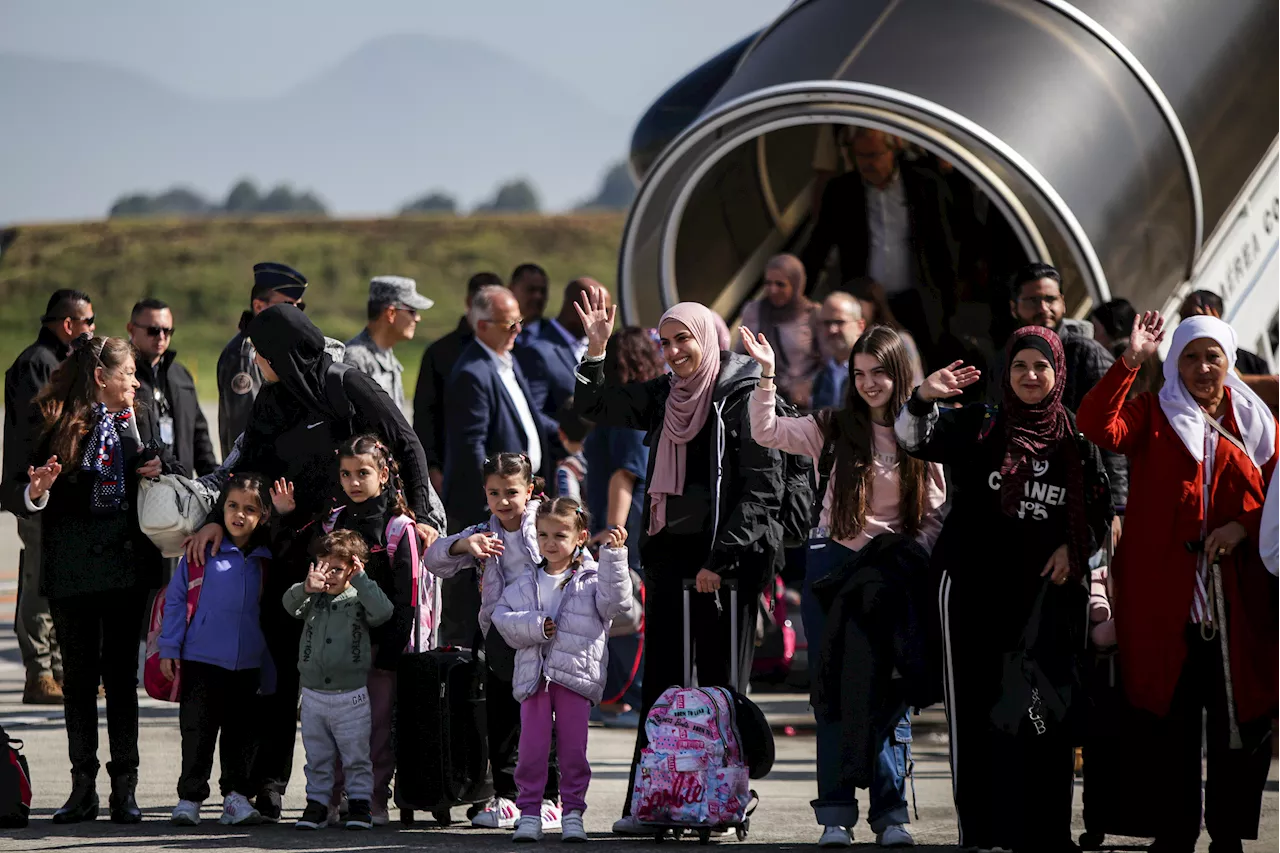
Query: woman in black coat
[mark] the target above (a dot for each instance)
(309, 405)
(712, 497)
(1030, 502)
(97, 566)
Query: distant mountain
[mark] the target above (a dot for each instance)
(400, 113)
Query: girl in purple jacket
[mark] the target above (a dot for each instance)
(222, 653)
(556, 615)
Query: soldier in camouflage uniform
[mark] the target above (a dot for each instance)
(394, 310)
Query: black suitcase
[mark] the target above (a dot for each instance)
(442, 742)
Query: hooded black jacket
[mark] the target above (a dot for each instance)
(746, 478)
(299, 421)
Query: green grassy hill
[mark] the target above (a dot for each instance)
(204, 270)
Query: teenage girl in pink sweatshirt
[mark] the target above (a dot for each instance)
(873, 488)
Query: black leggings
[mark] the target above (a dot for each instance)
(664, 653)
(99, 638)
(216, 700)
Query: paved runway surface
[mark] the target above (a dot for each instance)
(784, 819)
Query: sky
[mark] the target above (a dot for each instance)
(618, 54)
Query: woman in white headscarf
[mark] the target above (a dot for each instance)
(1201, 455)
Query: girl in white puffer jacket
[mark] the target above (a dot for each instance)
(557, 617)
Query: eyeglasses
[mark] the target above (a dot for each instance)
(157, 331)
(88, 321)
(413, 311)
(514, 327)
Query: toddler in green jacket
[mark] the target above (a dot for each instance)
(339, 603)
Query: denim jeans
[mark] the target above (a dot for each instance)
(837, 805)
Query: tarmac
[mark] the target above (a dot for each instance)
(783, 821)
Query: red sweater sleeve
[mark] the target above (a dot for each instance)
(1106, 419)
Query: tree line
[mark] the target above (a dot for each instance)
(519, 195)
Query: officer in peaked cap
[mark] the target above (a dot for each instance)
(238, 377)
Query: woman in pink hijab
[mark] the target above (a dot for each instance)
(712, 497)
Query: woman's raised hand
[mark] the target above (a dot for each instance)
(759, 348)
(948, 382)
(597, 319)
(42, 478)
(207, 538)
(1144, 340)
(282, 497)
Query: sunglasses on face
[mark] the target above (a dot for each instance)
(88, 321)
(514, 327)
(157, 331)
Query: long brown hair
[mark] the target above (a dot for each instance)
(849, 430)
(66, 402)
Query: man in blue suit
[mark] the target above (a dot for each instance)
(489, 408)
(840, 324)
(551, 354)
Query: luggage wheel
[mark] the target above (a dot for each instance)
(1092, 840)
(444, 817)
(743, 830)
(406, 817)
(704, 836)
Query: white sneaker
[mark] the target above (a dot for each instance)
(238, 811)
(185, 813)
(630, 825)
(551, 816)
(528, 828)
(896, 835)
(573, 829)
(836, 836)
(498, 813)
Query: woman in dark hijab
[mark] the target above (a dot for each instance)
(1029, 503)
(309, 405)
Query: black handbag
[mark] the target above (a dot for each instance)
(1040, 688)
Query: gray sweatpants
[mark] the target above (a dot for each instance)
(337, 725)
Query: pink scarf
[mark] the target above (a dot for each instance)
(687, 408)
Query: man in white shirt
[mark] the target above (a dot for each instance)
(886, 219)
(489, 407)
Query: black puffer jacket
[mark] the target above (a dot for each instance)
(746, 478)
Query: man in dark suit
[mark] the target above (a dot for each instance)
(530, 285)
(550, 356)
(433, 378)
(886, 218)
(491, 408)
(68, 315)
(167, 389)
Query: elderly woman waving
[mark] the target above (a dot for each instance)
(1030, 503)
(1195, 607)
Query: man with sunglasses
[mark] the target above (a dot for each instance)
(239, 379)
(394, 306)
(67, 316)
(166, 387)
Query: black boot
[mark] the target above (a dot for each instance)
(83, 802)
(124, 808)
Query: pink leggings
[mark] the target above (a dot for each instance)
(568, 712)
(382, 702)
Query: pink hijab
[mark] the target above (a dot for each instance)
(687, 409)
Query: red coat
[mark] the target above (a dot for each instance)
(1154, 575)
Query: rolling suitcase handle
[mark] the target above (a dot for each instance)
(731, 585)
